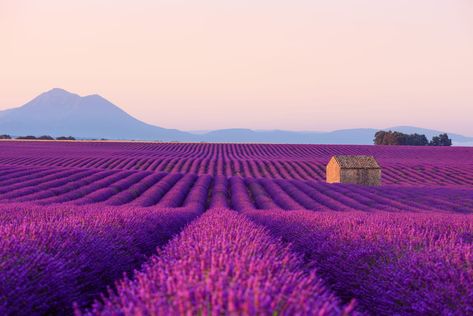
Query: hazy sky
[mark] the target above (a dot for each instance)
(299, 64)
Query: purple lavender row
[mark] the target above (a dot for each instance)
(237, 151)
(302, 198)
(88, 186)
(390, 176)
(15, 174)
(219, 196)
(240, 197)
(154, 194)
(281, 197)
(34, 179)
(83, 186)
(391, 263)
(262, 199)
(401, 165)
(198, 197)
(51, 193)
(51, 257)
(105, 193)
(48, 183)
(317, 195)
(222, 264)
(177, 194)
(135, 190)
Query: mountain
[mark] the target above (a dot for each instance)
(354, 136)
(58, 112)
(251, 136)
(357, 136)
(61, 113)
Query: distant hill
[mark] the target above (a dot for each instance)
(354, 136)
(358, 136)
(58, 112)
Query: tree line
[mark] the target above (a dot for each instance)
(44, 137)
(398, 138)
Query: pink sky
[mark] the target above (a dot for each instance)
(198, 65)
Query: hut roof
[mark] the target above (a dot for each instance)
(357, 162)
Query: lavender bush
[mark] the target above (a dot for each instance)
(404, 264)
(222, 264)
(51, 257)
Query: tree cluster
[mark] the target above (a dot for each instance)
(398, 138)
(65, 138)
(43, 137)
(441, 140)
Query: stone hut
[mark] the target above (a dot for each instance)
(363, 170)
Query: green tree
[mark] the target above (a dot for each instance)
(441, 140)
(398, 138)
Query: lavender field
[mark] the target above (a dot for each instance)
(129, 228)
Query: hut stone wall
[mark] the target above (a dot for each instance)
(361, 176)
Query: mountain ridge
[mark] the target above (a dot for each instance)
(58, 112)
